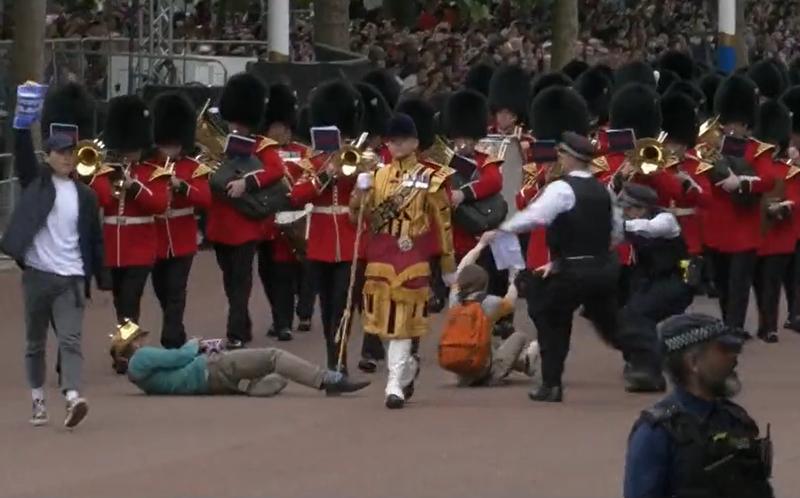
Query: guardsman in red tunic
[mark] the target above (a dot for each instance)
(477, 176)
(791, 281)
(595, 85)
(174, 121)
(235, 236)
(331, 236)
(732, 223)
(279, 263)
(773, 126)
(509, 95)
(130, 194)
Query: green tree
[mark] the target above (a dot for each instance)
(332, 23)
(565, 32)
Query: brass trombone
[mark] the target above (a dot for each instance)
(210, 138)
(649, 155)
(709, 140)
(355, 158)
(90, 155)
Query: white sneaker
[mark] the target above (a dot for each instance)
(77, 409)
(39, 416)
(532, 359)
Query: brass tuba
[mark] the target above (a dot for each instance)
(355, 158)
(649, 155)
(210, 137)
(709, 140)
(90, 155)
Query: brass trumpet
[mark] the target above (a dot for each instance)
(355, 158)
(649, 155)
(709, 140)
(90, 155)
(210, 137)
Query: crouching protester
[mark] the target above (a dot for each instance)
(696, 442)
(202, 367)
(466, 347)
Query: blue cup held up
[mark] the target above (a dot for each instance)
(30, 100)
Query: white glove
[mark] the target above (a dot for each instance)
(730, 184)
(364, 181)
(449, 279)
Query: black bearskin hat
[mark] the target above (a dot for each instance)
(466, 115)
(386, 84)
(510, 89)
(794, 71)
(709, 84)
(680, 120)
(635, 72)
(736, 100)
(337, 103)
(302, 128)
(377, 112)
(174, 120)
(69, 104)
(478, 78)
(281, 106)
(574, 68)
(129, 125)
(558, 109)
(774, 124)
(769, 79)
(690, 90)
(424, 116)
(792, 101)
(636, 106)
(594, 85)
(678, 62)
(243, 100)
(665, 80)
(546, 80)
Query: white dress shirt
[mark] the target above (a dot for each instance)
(556, 198)
(661, 226)
(56, 247)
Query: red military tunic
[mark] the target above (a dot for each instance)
(292, 155)
(226, 225)
(689, 207)
(780, 236)
(129, 230)
(533, 180)
(177, 227)
(487, 181)
(731, 227)
(331, 235)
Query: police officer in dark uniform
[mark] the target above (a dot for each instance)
(582, 222)
(696, 442)
(658, 289)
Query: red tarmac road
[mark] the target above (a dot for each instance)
(447, 443)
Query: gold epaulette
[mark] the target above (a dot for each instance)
(104, 170)
(264, 142)
(762, 147)
(702, 166)
(531, 169)
(439, 176)
(492, 160)
(202, 169)
(599, 164)
(159, 171)
(793, 170)
(306, 150)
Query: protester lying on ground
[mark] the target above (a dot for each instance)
(470, 320)
(200, 367)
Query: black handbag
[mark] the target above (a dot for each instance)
(479, 216)
(257, 205)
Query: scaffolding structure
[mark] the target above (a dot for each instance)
(154, 41)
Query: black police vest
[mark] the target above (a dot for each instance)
(658, 257)
(718, 458)
(584, 230)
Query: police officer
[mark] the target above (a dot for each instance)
(696, 442)
(658, 289)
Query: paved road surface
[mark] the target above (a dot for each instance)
(447, 443)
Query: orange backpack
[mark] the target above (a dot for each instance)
(465, 345)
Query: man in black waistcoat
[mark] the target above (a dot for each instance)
(696, 443)
(658, 288)
(582, 227)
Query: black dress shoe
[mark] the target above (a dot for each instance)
(284, 335)
(639, 381)
(233, 344)
(304, 326)
(394, 402)
(792, 325)
(367, 365)
(768, 337)
(271, 332)
(345, 385)
(547, 394)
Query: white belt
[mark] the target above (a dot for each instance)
(177, 213)
(683, 211)
(127, 220)
(330, 209)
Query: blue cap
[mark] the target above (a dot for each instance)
(684, 331)
(60, 141)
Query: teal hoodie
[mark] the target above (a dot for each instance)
(170, 371)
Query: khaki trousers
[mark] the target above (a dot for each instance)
(260, 372)
(505, 358)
